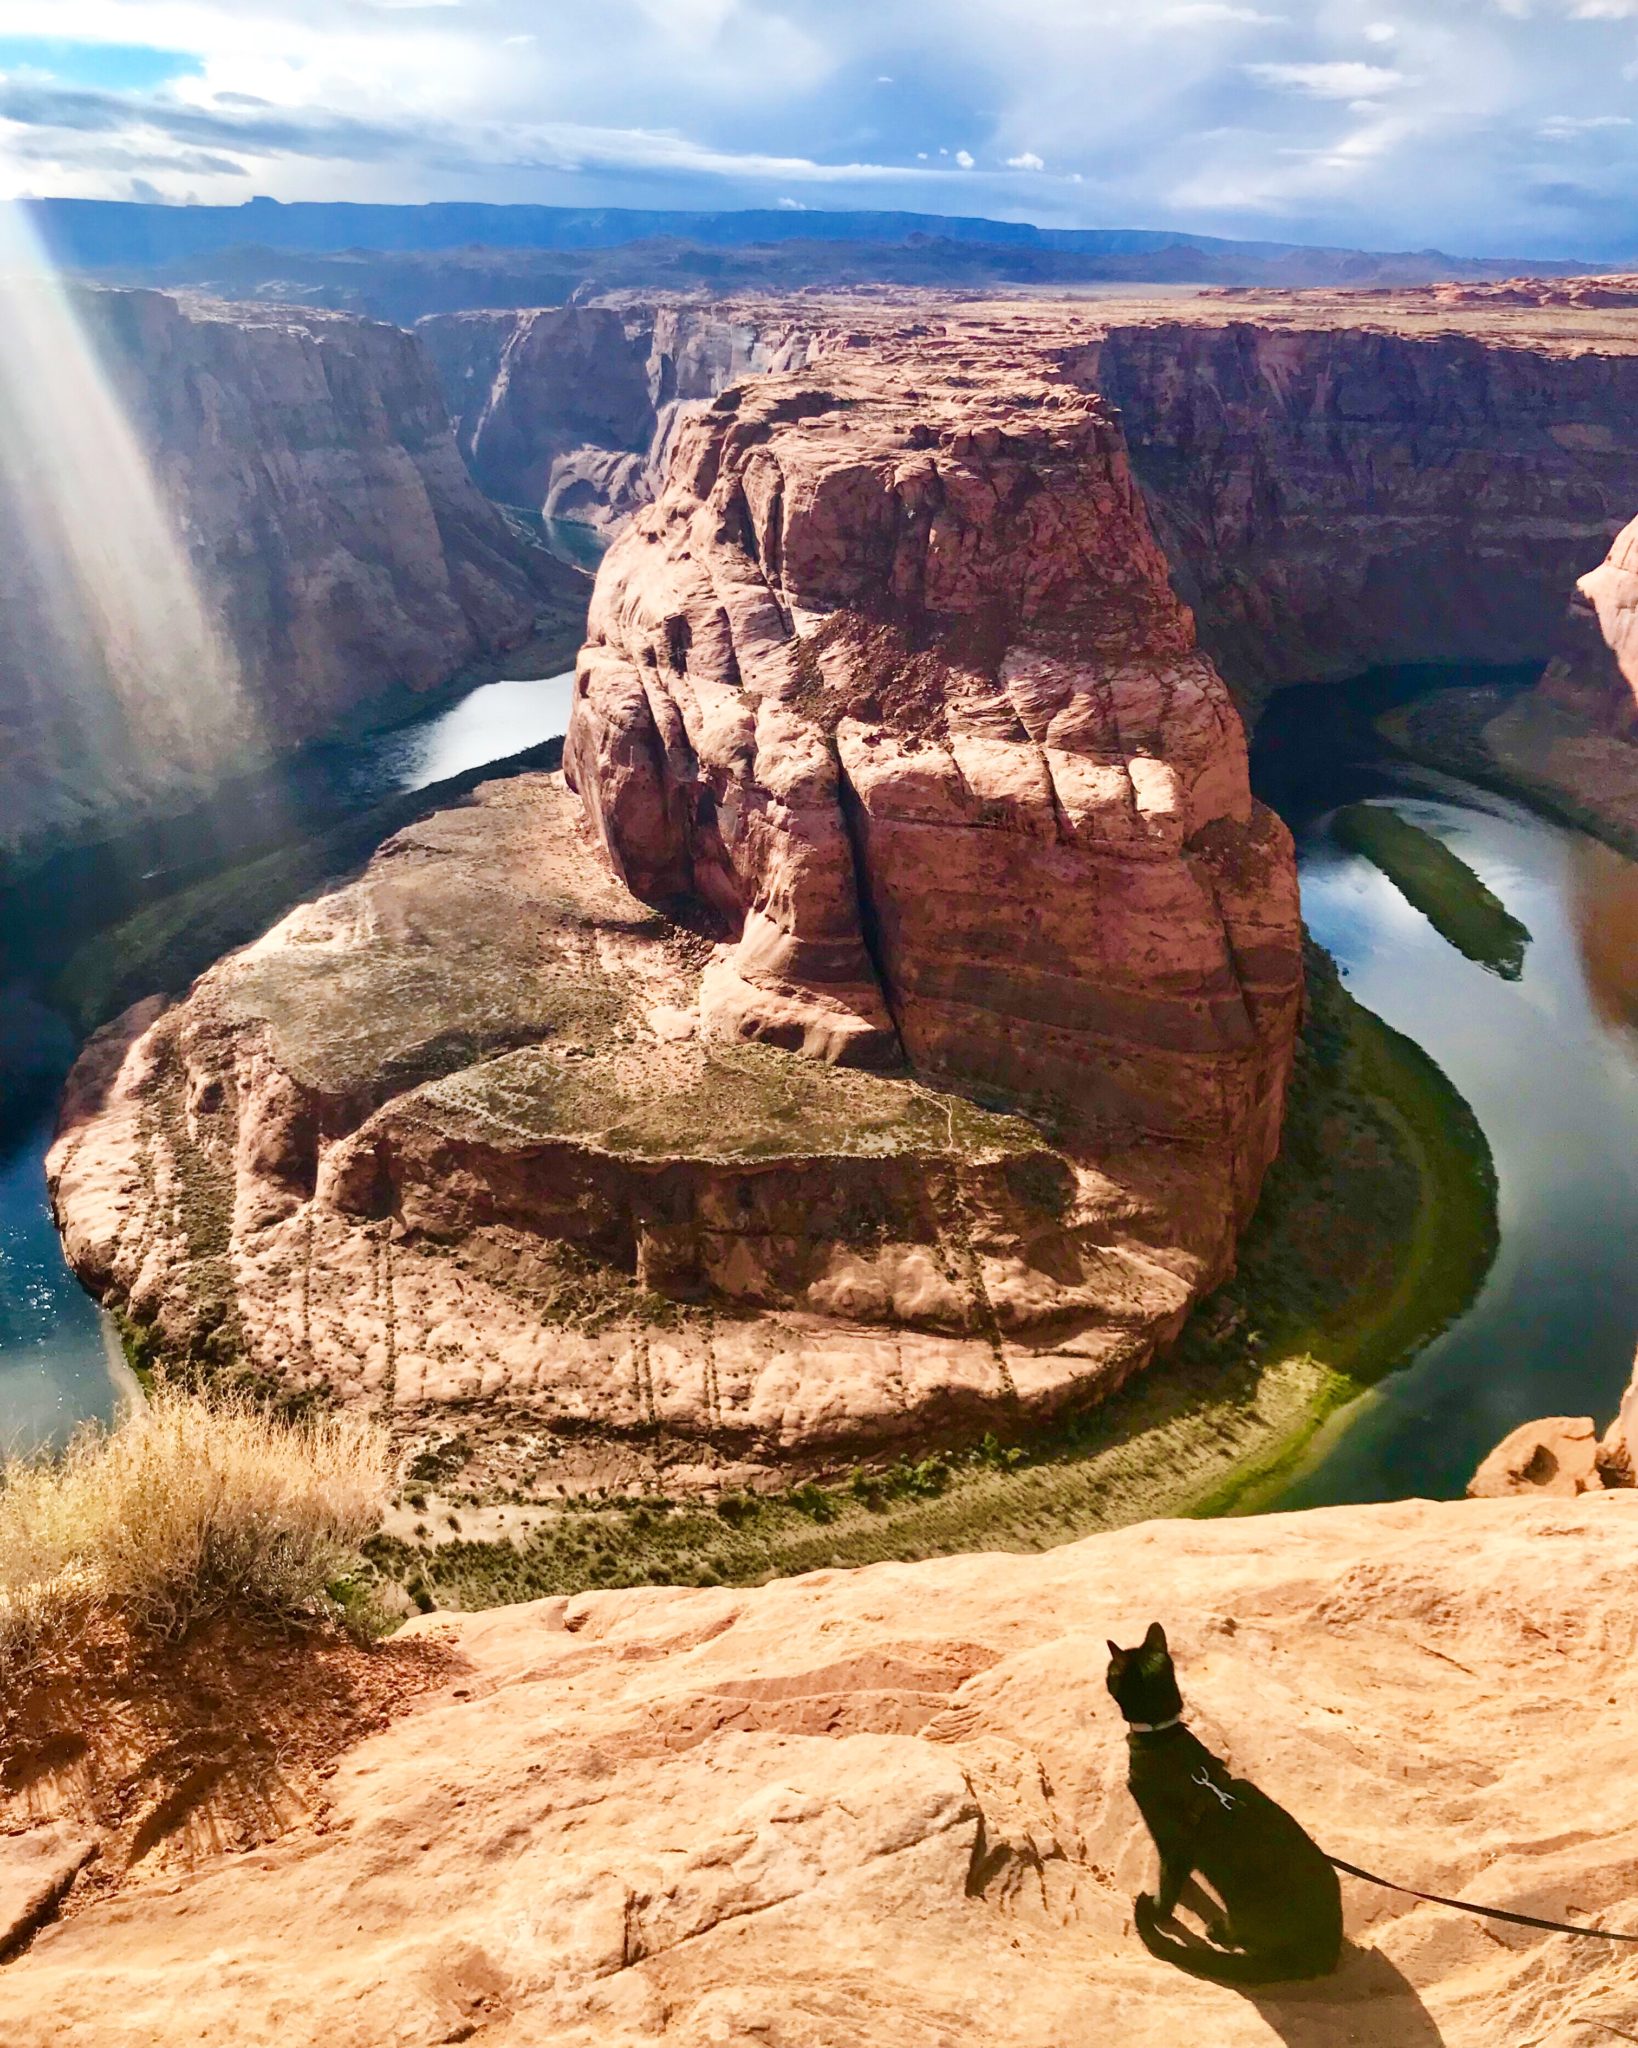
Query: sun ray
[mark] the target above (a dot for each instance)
(123, 681)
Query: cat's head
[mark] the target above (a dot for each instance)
(1142, 1681)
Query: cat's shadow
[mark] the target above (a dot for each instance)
(1365, 1983)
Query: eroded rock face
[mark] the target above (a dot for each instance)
(269, 525)
(887, 1809)
(1595, 673)
(891, 689)
(1336, 496)
(570, 410)
(1563, 1454)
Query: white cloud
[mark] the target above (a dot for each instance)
(1330, 81)
(1188, 12)
(1145, 110)
(1560, 127)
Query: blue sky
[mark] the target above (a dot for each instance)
(1498, 126)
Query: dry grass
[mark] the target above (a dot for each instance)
(186, 1510)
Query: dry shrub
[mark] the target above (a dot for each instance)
(186, 1509)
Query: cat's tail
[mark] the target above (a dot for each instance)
(1221, 1966)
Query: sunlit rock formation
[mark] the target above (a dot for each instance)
(1563, 1455)
(1595, 673)
(930, 1080)
(888, 1807)
(1571, 743)
(221, 530)
(890, 689)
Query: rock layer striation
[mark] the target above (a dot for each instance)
(1338, 478)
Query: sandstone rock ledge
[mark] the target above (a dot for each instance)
(888, 1807)
(449, 1142)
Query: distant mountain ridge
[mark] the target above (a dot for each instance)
(103, 233)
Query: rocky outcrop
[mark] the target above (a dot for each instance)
(889, 1806)
(934, 1084)
(1335, 496)
(1563, 1455)
(221, 531)
(570, 410)
(1569, 743)
(451, 1142)
(1595, 673)
(890, 689)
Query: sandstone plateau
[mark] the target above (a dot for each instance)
(253, 522)
(889, 1807)
(918, 1070)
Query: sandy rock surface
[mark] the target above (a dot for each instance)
(1557, 1455)
(888, 1807)
(1564, 1454)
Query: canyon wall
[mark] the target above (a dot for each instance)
(221, 531)
(570, 410)
(1338, 480)
(1336, 496)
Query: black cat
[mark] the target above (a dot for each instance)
(1282, 1914)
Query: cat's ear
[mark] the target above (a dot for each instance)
(1114, 1649)
(1156, 1638)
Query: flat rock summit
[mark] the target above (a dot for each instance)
(888, 1807)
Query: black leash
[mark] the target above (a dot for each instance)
(1489, 1912)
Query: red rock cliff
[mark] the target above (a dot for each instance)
(890, 689)
(320, 527)
(1333, 496)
